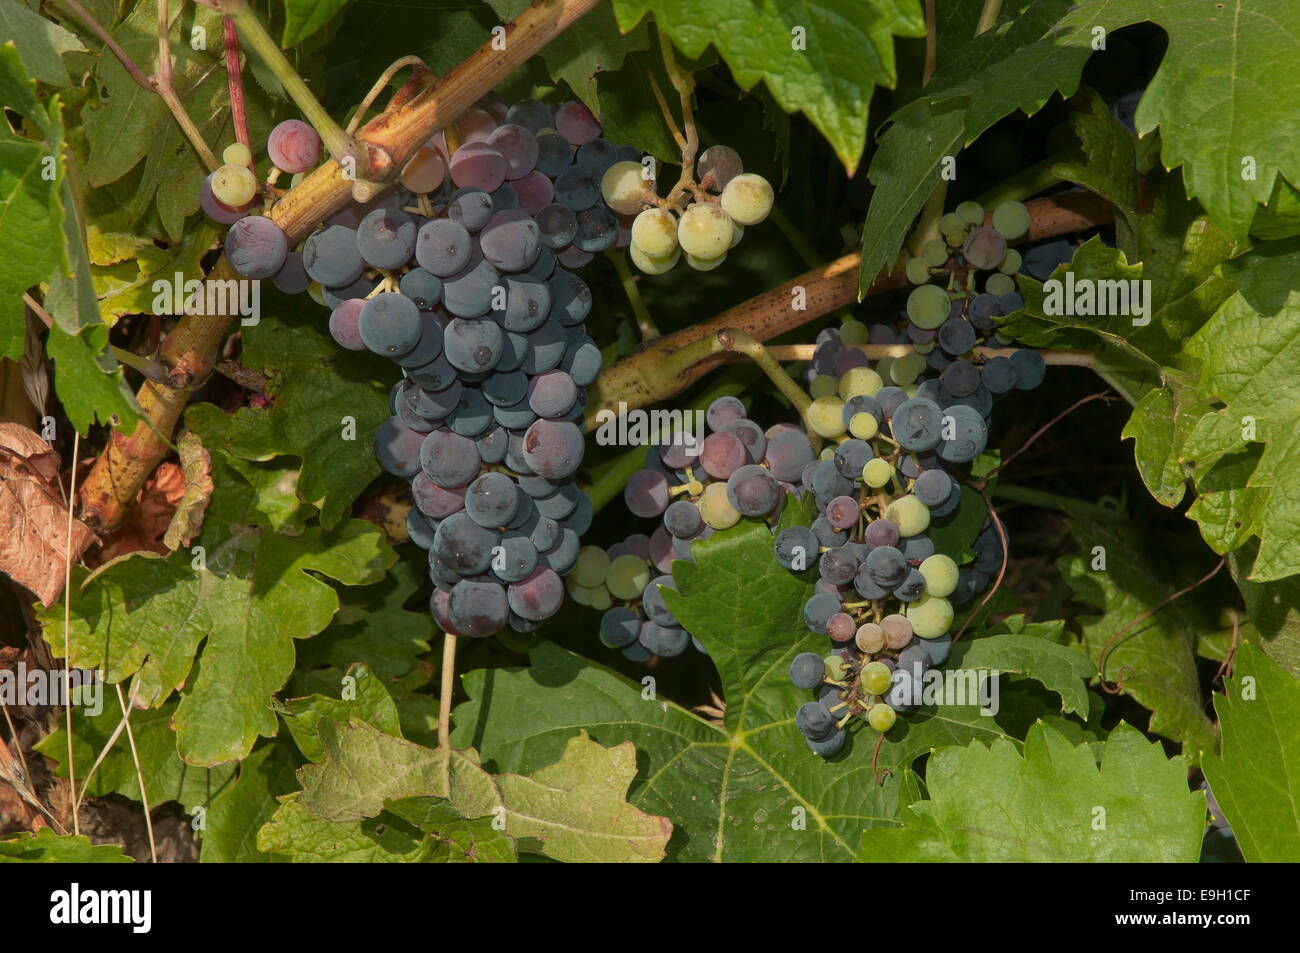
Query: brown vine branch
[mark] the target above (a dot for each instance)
(662, 369)
(417, 112)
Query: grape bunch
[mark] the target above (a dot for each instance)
(461, 276)
(738, 470)
(700, 222)
(905, 428)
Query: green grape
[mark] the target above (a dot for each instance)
(704, 231)
(705, 264)
(1011, 219)
(737, 233)
(826, 417)
(940, 574)
(716, 509)
(883, 366)
(970, 213)
(654, 231)
(1000, 284)
(628, 576)
(881, 717)
(1011, 262)
(955, 238)
(876, 677)
(592, 566)
(907, 368)
(877, 472)
(747, 198)
(909, 514)
(935, 252)
(297, 179)
(316, 294)
(923, 348)
(824, 385)
(864, 427)
(651, 265)
(927, 306)
(853, 333)
(579, 594)
(931, 616)
(237, 154)
(950, 223)
(623, 186)
(600, 598)
(234, 185)
(858, 382)
(918, 272)
(836, 668)
(869, 638)
(827, 453)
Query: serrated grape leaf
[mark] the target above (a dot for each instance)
(366, 699)
(1272, 610)
(1161, 423)
(326, 404)
(456, 840)
(1280, 218)
(623, 115)
(1154, 660)
(592, 44)
(1052, 804)
(1109, 167)
(166, 776)
(750, 788)
(305, 17)
(294, 832)
(573, 810)
(1030, 649)
(232, 820)
(848, 51)
(47, 847)
(41, 44)
(1257, 781)
(257, 595)
(125, 266)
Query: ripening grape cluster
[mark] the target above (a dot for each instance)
(726, 201)
(737, 471)
(886, 598)
(460, 276)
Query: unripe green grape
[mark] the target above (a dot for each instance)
(836, 668)
(950, 223)
(1011, 219)
(826, 453)
(600, 598)
(924, 347)
(747, 198)
(653, 265)
(704, 264)
(940, 574)
(907, 368)
(918, 272)
(864, 427)
(869, 638)
(234, 185)
(237, 154)
(877, 472)
(591, 567)
(579, 594)
(876, 677)
(1011, 262)
(1000, 284)
(628, 576)
(969, 213)
(737, 233)
(624, 185)
(881, 717)
(956, 237)
(654, 231)
(935, 252)
(859, 382)
(853, 332)
(931, 616)
(716, 509)
(316, 294)
(909, 514)
(704, 231)
(927, 306)
(824, 385)
(883, 367)
(826, 417)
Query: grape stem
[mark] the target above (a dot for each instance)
(644, 322)
(153, 84)
(381, 84)
(988, 16)
(804, 352)
(448, 689)
(745, 343)
(235, 82)
(685, 86)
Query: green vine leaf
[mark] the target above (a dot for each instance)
(40, 43)
(1031, 649)
(1256, 782)
(1054, 803)
(47, 847)
(303, 18)
(234, 817)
